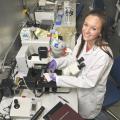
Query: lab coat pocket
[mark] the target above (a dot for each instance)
(99, 103)
(100, 96)
(88, 104)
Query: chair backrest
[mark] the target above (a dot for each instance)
(115, 71)
(112, 88)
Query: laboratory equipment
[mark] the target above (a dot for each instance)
(68, 12)
(20, 112)
(58, 48)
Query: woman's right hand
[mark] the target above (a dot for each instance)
(52, 66)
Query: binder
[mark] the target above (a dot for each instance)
(64, 112)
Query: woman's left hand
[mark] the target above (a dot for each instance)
(50, 77)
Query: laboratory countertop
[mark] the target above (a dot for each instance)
(47, 100)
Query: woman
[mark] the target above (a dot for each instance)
(91, 80)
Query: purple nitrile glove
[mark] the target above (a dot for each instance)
(52, 65)
(50, 77)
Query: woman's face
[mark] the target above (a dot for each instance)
(91, 28)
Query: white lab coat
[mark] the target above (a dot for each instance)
(91, 80)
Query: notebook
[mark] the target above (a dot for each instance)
(65, 112)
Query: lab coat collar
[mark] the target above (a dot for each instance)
(90, 51)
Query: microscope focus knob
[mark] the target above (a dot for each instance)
(16, 104)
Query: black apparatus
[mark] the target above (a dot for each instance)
(35, 79)
(81, 63)
(16, 104)
(38, 113)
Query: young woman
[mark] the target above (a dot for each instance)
(91, 80)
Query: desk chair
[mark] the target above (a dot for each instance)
(112, 95)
